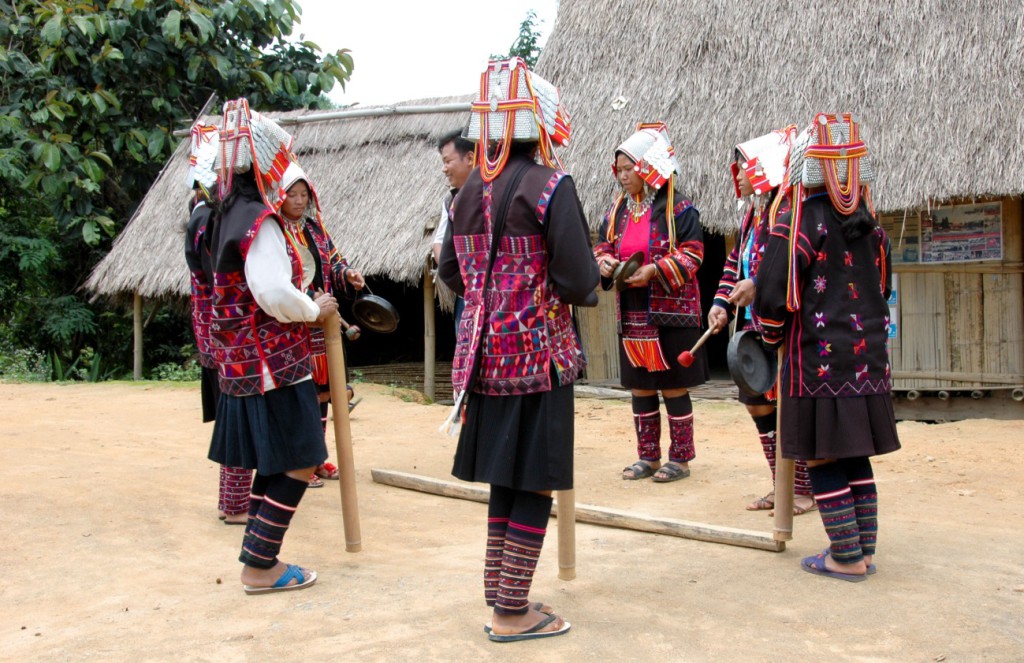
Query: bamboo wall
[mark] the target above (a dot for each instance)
(599, 338)
(961, 325)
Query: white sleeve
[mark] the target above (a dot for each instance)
(442, 225)
(268, 272)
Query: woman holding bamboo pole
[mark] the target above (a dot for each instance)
(518, 249)
(822, 291)
(267, 419)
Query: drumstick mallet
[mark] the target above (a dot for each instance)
(686, 356)
(342, 434)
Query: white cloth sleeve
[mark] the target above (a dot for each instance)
(442, 225)
(268, 272)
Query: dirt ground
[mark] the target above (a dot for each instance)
(113, 550)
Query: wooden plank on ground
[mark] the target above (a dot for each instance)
(595, 515)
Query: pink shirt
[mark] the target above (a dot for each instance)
(636, 236)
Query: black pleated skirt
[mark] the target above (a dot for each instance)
(209, 392)
(673, 340)
(275, 432)
(520, 442)
(819, 428)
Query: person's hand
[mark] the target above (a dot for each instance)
(327, 304)
(607, 265)
(743, 293)
(718, 318)
(642, 276)
(355, 278)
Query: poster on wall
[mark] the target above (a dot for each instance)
(904, 233)
(961, 233)
(893, 306)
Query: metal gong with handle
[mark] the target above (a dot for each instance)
(626, 269)
(752, 367)
(375, 313)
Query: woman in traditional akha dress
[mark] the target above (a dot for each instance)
(659, 314)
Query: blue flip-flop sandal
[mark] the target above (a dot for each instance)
(293, 572)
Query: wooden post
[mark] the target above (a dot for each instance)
(342, 434)
(566, 534)
(784, 470)
(429, 333)
(137, 333)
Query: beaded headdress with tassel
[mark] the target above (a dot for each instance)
(204, 140)
(516, 104)
(829, 153)
(651, 150)
(249, 140)
(765, 160)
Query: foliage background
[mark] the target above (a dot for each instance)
(90, 95)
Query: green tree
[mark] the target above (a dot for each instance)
(90, 94)
(526, 44)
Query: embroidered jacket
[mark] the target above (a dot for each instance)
(245, 336)
(197, 257)
(745, 257)
(835, 343)
(522, 325)
(673, 298)
(332, 276)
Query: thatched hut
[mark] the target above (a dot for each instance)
(378, 176)
(938, 87)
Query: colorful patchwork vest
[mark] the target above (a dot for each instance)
(197, 256)
(244, 336)
(520, 327)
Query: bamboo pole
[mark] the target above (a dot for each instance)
(784, 472)
(595, 515)
(566, 514)
(137, 335)
(429, 334)
(342, 434)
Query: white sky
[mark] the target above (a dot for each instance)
(413, 49)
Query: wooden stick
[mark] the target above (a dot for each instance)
(595, 515)
(566, 514)
(784, 472)
(342, 434)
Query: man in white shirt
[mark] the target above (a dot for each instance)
(457, 162)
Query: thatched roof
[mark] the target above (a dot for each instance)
(380, 186)
(938, 86)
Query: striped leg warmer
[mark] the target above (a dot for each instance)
(801, 479)
(235, 484)
(265, 532)
(765, 424)
(523, 542)
(647, 421)
(865, 500)
(680, 429)
(499, 508)
(835, 502)
(256, 493)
